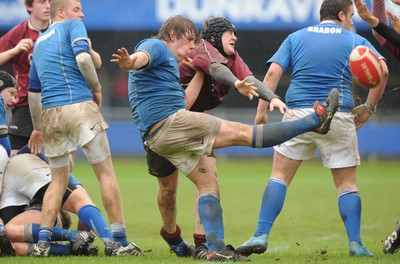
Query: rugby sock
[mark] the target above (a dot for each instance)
(45, 234)
(199, 239)
(350, 211)
(92, 217)
(210, 213)
(172, 239)
(58, 234)
(271, 206)
(272, 134)
(59, 249)
(119, 233)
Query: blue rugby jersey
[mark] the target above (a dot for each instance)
(318, 57)
(155, 91)
(54, 70)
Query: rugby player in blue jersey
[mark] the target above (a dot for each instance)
(318, 57)
(64, 98)
(8, 97)
(158, 107)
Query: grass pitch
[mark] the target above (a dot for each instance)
(308, 230)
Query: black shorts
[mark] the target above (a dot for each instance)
(157, 165)
(38, 198)
(9, 212)
(20, 125)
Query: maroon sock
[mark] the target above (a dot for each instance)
(172, 239)
(199, 239)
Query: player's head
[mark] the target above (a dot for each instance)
(213, 29)
(8, 89)
(179, 34)
(178, 27)
(39, 9)
(341, 11)
(63, 10)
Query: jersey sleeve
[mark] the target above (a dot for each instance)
(78, 36)
(7, 42)
(34, 82)
(281, 55)
(154, 50)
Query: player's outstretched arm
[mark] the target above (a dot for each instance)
(128, 62)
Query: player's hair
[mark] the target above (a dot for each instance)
(181, 25)
(28, 3)
(330, 9)
(56, 4)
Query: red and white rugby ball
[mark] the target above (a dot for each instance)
(365, 67)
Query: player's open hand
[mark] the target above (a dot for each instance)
(394, 20)
(123, 59)
(277, 103)
(365, 14)
(246, 88)
(36, 141)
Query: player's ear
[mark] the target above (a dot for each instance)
(60, 13)
(172, 35)
(341, 16)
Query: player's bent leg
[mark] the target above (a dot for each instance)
(98, 153)
(166, 199)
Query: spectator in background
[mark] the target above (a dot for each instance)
(318, 59)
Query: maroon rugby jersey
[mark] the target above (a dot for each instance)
(212, 93)
(21, 62)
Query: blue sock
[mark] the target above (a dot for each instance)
(210, 213)
(45, 235)
(59, 249)
(119, 233)
(58, 234)
(350, 211)
(271, 206)
(273, 134)
(91, 217)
